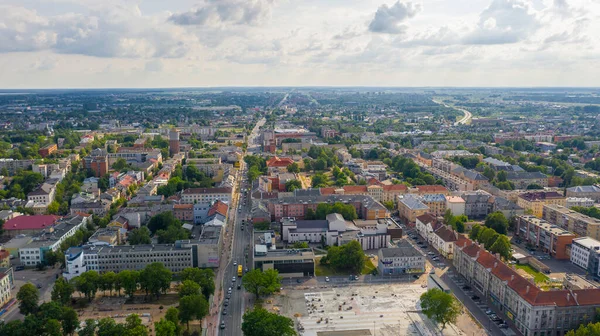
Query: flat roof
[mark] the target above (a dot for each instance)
(587, 242)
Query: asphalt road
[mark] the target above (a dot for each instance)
(44, 278)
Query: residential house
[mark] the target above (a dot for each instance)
(585, 253)
(522, 180)
(456, 205)
(572, 221)
(590, 191)
(478, 204)
(410, 207)
(402, 259)
(535, 201)
(443, 240)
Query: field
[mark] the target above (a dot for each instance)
(537, 275)
(324, 270)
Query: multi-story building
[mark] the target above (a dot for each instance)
(532, 310)
(402, 259)
(288, 262)
(478, 204)
(425, 225)
(443, 240)
(535, 201)
(49, 239)
(549, 238)
(43, 195)
(12, 166)
(176, 257)
(410, 207)
(435, 202)
(381, 193)
(28, 224)
(523, 179)
(590, 191)
(585, 253)
(206, 195)
(6, 285)
(47, 150)
(110, 235)
(579, 202)
(572, 221)
(456, 204)
(209, 246)
(184, 212)
(98, 207)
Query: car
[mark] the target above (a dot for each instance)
(356, 277)
(39, 286)
(466, 287)
(233, 279)
(239, 287)
(19, 268)
(415, 276)
(475, 297)
(429, 253)
(229, 295)
(224, 311)
(229, 290)
(222, 325)
(226, 303)
(235, 263)
(503, 326)
(246, 270)
(489, 312)
(298, 281)
(326, 279)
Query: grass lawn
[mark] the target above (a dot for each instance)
(537, 275)
(323, 270)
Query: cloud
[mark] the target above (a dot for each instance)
(155, 65)
(388, 19)
(118, 31)
(215, 12)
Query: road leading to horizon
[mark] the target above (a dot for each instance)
(466, 119)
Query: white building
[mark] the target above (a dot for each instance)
(6, 284)
(584, 253)
(426, 224)
(443, 240)
(456, 204)
(402, 259)
(43, 195)
(579, 202)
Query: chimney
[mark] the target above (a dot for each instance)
(465, 245)
(527, 290)
(575, 296)
(498, 256)
(568, 297)
(482, 246)
(512, 277)
(477, 256)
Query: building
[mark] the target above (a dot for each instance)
(508, 208)
(435, 202)
(43, 195)
(434, 189)
(12, 166)
(173, 142)
(532, 310)
(6, 285)
(4, 259)
(276, 164)
(579, 202)
(535, 201)
(110, 235)
(585, 253)
(176, 257)
(590, 191)
(551, 239)
(288, 262)
(443, 240)
(410, 207)
(98, 207)
(206, 195)
(478, 204)
(426, 224)
(28, 224)
(572, 221)
(523, 179)
(47, 150)
(97, 162)
(209, 246)
(49, 239)
(381, 193)
(184, 212)
(456, 205)
(402, 259)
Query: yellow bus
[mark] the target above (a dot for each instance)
(240, 270)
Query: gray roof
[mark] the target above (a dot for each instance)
(307, 192)
(312, 224)
(515, 175)
(476, 197)
(412, 203)
(585, 189)
(403, 249)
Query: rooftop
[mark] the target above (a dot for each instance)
(36, 222)
(403, 249)
(412, 203)
(587, 242)
(540, 195)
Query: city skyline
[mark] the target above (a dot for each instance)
(209, 43)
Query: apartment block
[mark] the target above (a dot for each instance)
(410, 207)
(550, 238)
(402, 259)
(579, 202)
(206, 195)
(573, 221)
(14, 165)
(535, 201)
(47, 150)
(585, 253)
(590, 191)
(435, 202)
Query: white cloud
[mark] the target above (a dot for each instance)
(388, 19)
(215, 12)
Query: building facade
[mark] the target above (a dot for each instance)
(403, 259)
(551, 239)
(535, 201)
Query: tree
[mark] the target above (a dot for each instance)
(87, 283)
(205, 277)
(107, 281)
(62, 291)
(51, 258)
(585, 330)
(172, 315)
(155, 279)
(348, 257)
(261, 283)
(501, 176)
(260, 322)
(51, 327)
(120, 164)
(502, 246)
(192, 307)
(28, 296)
(475, 230)
(129, 281)
(134, 327)
(69, 320)
(534, 187)
(165, 328)
(488, 237)
(292, 185)
(139, 236)
(389, 205)
(188, 287)
(162, 221)
(108, 327)
(319, 181)
(173, 233)
(89, 329)
(293, 168)
(497, 221)
(53, 208)
(440, 307)
(299, 245)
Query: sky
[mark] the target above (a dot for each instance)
(204, 43)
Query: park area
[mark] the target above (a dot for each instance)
(538, 276)
(327, 270)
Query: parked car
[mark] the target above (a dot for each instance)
(224, 311)
(222, 325)
(489, 312)
(326, 279)
(466, 287)
(503, 326)
(475, 297)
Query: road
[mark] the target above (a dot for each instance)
(44, 278)
(464, 120)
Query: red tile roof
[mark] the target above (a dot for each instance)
(218, 207)
(355, 189)
(183, 206)
(328, 191)
(395, 187)
(279, 162)
(37, 222)
(433, 189)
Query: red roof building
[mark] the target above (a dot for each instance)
(276, 162)
(29, 224)
(218, 208)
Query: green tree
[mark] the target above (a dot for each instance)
(591, 329)
(501, 176)
(440, 307)
(173, 233)
(260, 283)
(165, 328)
(51, 258)
(108, 327)
(162, 221)
(192, 307)
(475, 230)
(299, 245)
(89, 329)
(389, 205)
(53, 208)
(205, 277)
(28, 296)
(260, 322)
(107, 281)
(502, 246)
(293, 168)
(319, 181)
(120, 164)
(69, 320)
(292, 185)
(134, 327)
(87, 283)
(155, 279)
(488, 237)
(129, 281)
(139, 236)
(62, 291)
(348, 257)
(172, 315)
(188, 287)
(497, 221)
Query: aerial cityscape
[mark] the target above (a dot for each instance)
(314, 168)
